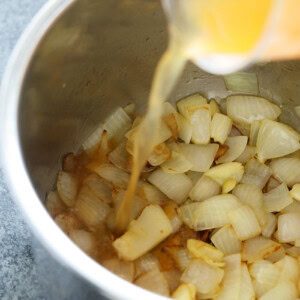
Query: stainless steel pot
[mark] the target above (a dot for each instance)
(73, 65)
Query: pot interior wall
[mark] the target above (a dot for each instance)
(98, 55)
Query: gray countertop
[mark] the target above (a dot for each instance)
(27, 271)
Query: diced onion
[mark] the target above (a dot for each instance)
(247, 154)
(186, 291)
(277, 199)
(226, 240)
(119, 156)
(116, 176)
(242, 82)
(171, 122)
(201, 156)
(146, 263)
(232, 278)
(252, 196)
(204, 276)
(84, 240)
(159, 155)
(228, 186)
(67, 185)
(121, 268)
(213, 212)
(289, 269)
(225, 172)
(170, 210)
(288, 227)
(91, 143)
(67, 222)
(143, 234)
(130, 110)
(89, 208)
(99, 187)
(54, 204)
(69, 162)
(287, 170)
(293, 251)
(246, 109)
(117, 124)
(186, 213)
(295, 192)
(175, 186)
(220, 127)
(181, 256)
(204, 189)
(254, 129)
(154, 195)
(177, 163)
(155, 282)
(268, 229)
(259, 248)
(244, 222)
(284, 290)
(185, 129)
(246, 288)
(275, 140)
(256, 173)
(271, 184)
(214, 107)
(173, 278)
(237, 145)
(294, 207)
(194, 176)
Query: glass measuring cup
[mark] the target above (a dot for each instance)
(222, 36)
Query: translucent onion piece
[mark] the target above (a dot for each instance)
(186, 213)
(237, 145)
(246, 109)
(173, 278)
(256, 173)
(204, 276)
(247, 154)
(67, 185)
(186, 291)
(84, 240)
(243, 128)
(284, 290)
(67, 222)
(201, 156)
(286, 170)
(170, 210)
(214, 107)
(119, 156)
(69, 162)
(116, 176)
(204, 189)
(225, 172)
(244, 222)
(252, 196)
(175, 186)
(154, 195)
(100, 188)
(246, 288)
(117, 124)
(271, 184)
(89, 208)
(288, 227)
(293, 251)
(295, 192)
(205, 252)
(289, 269)
(277, 199)
(275, 140)
(130, 110)
(213, 212)
(269, 228)
(155, 282)
(228, 186)
(232, 278)
(171, 122)
(143, 234)
(259, 248)
(266, 276)
(211, 295)
(146, 263)
(294, 207)
(54, 204)
(220, 127)
(177, 163)
(226, 240)
(234, 131)
(91, 143)
(188, 105)
(160, 154)
(242, 82)
(194, 176)
(185, 129)
(254, 129)
(123, 269)
(181, 256)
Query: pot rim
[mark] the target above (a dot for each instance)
(19, 183)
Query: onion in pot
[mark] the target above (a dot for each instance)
(67, 185)
(288, 227)
(159, 155)
(54, 204)
(220, 127)
(247, 154)
(186, 291)
(177, 163)
(246, 288)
